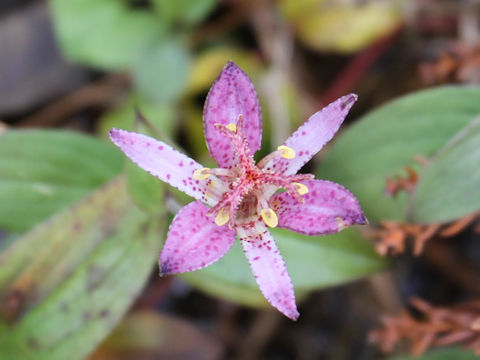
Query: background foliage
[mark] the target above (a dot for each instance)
(82, 226)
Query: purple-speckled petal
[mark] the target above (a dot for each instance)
(164, 162)
(328, 208)
(268, 268)
(231, 95)
(313, 135)
(194, 241)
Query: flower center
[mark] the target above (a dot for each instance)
(249, 186)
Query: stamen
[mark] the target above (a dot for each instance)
(201, 174)
(222, 217)
(232, 127)
(221, 172)
(269, 217)
(286, 152)
(301, 188)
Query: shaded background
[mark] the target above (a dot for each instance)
(83, 65)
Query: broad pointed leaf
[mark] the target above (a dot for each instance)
(449, 186)
(384, 141)
(65, 284)
(443, 354)
(106, 34)
(42, 172)
(314, 262)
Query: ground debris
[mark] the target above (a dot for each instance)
(391, 237)
(435, 326)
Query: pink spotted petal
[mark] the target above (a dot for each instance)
(164, 162)
(194, 241)
(328, 208)
(268, 268)
(231, 95)
(313, 135)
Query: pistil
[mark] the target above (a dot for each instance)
(246, 182)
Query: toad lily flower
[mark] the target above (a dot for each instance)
(243, 198)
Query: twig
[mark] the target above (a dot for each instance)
(234, 17)
(276, 43)
(454, 268)
(260, 332)
(357, 68)
(102, 93)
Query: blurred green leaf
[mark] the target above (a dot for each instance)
(186, 12)
(149, 334)
(384, 141)
(66, 284)
(194, 137)
(146, 190)
(7, 239)
(162, 71)
(103, 33)
(161, 116)
(41, 172)
(341, 26)
(313, 262)
(444, 354)
(448, 187)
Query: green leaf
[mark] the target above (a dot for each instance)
(448, 187)
(384, 141)
(187, 12)
(444, 354)
(161, 73)
(42, 172)
(146, 190)
(123, 117)
(313, 262)
(148, 334)
(74, 276)
(103, 33)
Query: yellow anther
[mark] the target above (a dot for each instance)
(232, 127)
(269, 217)
(301, 188)
(286, 152)
(201, 174)
(223, 216)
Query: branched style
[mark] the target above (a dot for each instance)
(241, 198)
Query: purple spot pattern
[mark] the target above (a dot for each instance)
(313, 135)
(325, 203)
(268, 268)
(194, 241)
(162, 161)
(231, 95)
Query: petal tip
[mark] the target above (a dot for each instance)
(289, 309)
(165, 269)
(348, 101)
(230, 66)
(361, 220)
(293, 315)
(115, 134)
